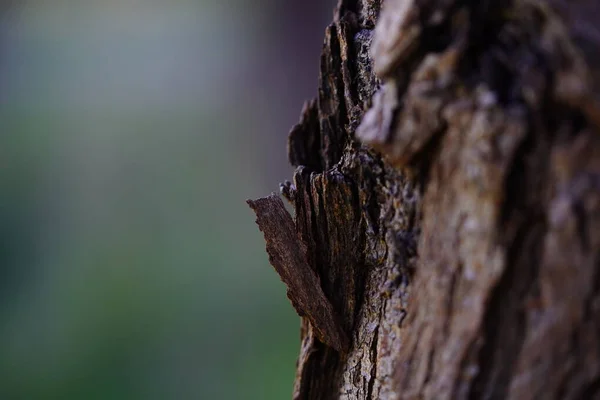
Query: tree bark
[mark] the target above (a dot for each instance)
(447, 197)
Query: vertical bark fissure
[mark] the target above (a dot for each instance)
(361, 244)
(591, 391)
(332, 106)
(517, 219)
(373, 355)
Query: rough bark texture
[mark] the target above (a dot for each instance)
(447, 191)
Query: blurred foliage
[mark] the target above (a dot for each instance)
(130, 265)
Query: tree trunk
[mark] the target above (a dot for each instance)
(447, 201)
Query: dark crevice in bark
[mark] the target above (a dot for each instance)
(361, 271)
(590, 391)
(345, 6)
(372, 210)
(424, 161)
(347, 29)
(373, 357)
(304, 140)
(582, 226)
(430, 361)
(305, 217)
(595, 293)
(562, 391)
(368, 11)
(435, 37)
(451, 294)
(504, 323)
(515, 183)
(566, 122)
(499, 53)
(486, 19)
(320, 230)
(332, 106)
(316, 384)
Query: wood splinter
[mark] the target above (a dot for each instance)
(287, 254)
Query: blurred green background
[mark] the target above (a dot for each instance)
(131, 133)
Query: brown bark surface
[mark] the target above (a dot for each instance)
(447, 196)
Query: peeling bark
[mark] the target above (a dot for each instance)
(447, 193)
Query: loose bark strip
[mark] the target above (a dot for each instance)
(287, 254)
